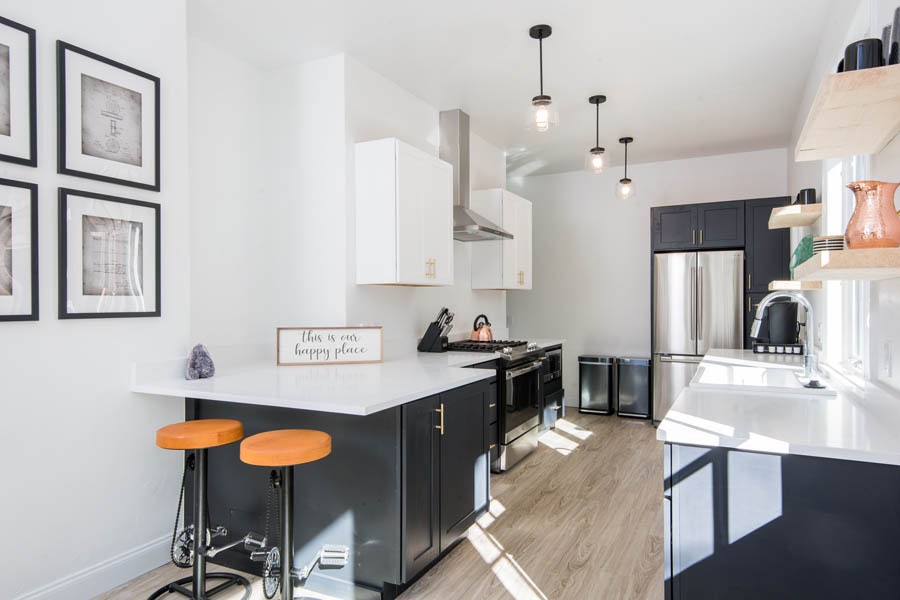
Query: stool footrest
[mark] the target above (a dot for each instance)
(230, 580)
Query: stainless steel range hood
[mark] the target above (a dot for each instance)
(468, 226)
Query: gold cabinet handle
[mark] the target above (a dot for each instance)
(441, 411)
(749, 279)
(693, 236)
(433, 268)
(492, 405)
(749, 307)
(701, 237)
(492, 446)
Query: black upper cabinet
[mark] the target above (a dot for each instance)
(698, 226)
(674, 227)
(768, 250)
(721, 225)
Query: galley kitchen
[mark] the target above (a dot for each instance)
(509, 301)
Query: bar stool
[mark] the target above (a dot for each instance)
(199, 436)
(285, 448)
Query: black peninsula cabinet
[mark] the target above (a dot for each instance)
(446, 472)
(400, 487)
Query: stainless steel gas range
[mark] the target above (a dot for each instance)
(518, 366)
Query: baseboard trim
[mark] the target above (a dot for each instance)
(105, 575)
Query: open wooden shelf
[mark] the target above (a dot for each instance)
(794, 286)
(857, 112)
(867, 264)
(795, 215)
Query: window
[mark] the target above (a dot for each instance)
(846, 302)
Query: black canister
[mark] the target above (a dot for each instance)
(864, 54)
(783, 327)
(807, 196)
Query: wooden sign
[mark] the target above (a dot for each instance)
(329, 345)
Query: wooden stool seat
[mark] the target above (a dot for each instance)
(285, 447)
(202, 433)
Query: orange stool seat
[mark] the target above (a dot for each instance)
(202, 433)
(285, 447)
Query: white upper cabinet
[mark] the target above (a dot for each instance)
(404, 215)
(506, 264)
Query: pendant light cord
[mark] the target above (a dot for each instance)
(597, 128)
(541, 61)
(626, 160)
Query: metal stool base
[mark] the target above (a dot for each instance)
(177, 587)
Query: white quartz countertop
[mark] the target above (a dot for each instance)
(346, 389)
(849, 423)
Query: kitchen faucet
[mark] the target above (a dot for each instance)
(810, 364)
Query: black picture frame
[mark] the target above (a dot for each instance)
(64, 214)
(32, 188)
(66, 162)
(31, 159)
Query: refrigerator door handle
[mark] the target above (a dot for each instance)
(700, 303)
(693, 283)
(679, 359)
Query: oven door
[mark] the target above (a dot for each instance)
(522, 400)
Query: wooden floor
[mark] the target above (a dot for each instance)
(579, 519)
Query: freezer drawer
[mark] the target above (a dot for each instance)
(671, 374)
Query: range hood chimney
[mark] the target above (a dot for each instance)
(468, 226)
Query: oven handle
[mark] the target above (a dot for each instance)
(513, 373)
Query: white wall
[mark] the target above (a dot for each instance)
(378, 108)
(232, 213)
(88, 498)
(592, 250)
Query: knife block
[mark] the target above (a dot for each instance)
(433, 341)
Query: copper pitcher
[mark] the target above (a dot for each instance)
(875, 222)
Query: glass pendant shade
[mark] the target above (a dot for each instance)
(543, 115)
(595, 160)
(625, 189)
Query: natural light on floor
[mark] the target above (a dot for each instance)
(561, 443)
(503, 565)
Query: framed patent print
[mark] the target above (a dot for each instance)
(108, 117)
(108, 256)
(18, 251)
(18, 117)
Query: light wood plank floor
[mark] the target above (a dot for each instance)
(579, 519)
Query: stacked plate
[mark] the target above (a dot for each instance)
(822, 243)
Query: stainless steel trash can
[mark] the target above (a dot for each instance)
(633, 387)
(597, 384)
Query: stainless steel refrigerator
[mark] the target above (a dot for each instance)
(698, 304)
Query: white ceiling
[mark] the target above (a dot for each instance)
(689, 78)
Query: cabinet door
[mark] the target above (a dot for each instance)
(437, 224)
(523, 244)
(412, 189)
(510, 258)
(768, 250)
(464, 460)
(674, 227)
(421, 481)
(721, 225)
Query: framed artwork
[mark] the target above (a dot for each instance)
(108, 256)
(18, 114)
(108, 119)
(18, 251)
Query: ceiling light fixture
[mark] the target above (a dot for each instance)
(594, 160)
(543, 113)
(625, 188)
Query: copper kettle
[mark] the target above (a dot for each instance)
(481, 330)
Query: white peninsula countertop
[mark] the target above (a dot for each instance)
(347, 389)
(845, 423)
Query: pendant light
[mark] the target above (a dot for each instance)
(543, 114)
(594, 160)
(625, 187)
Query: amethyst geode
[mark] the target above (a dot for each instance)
(200, 363)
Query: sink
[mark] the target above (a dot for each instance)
(745, 375)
